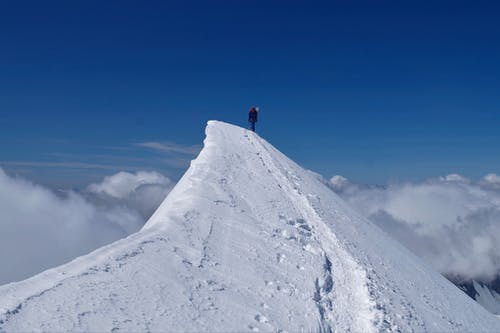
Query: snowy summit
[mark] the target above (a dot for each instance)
(246, 241)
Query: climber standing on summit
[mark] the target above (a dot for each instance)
(252, 117)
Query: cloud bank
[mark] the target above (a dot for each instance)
(40, 228)
(452, 222)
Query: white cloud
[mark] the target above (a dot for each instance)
(492, 178)
(142, 191)
(455, 178)
(338, 182)
(122, 184)
(491, 181)
(68, 165)
(451, 221)
(40, 229)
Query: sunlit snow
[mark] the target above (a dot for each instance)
(246, 241)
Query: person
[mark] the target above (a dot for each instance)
(252, 117)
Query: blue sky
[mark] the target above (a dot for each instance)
(375, 91)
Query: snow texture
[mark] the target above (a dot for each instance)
(246, 241)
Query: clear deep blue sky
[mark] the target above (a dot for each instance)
(375, 91)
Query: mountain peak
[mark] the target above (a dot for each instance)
(246, 241)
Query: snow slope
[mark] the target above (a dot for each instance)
(246, 241)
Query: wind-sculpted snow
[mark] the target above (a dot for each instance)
(246, 241)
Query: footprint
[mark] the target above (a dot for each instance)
(305, 227)
(253, 328)
(301, 221)
(261, 319)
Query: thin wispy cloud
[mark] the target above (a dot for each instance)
(69, 165)
(120, 159)
(165, 157)
(170, 147)
(177, 162)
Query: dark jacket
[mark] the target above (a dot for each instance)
(252, 115)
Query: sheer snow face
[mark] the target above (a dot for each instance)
(452, 222)
(40, 229)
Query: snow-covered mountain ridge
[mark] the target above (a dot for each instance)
(246, 241)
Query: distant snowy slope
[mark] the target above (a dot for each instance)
(486, 294)
(246, 241)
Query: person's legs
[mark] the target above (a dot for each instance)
(253, 126)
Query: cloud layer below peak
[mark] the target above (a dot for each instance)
(452, 222)
(40, 228)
